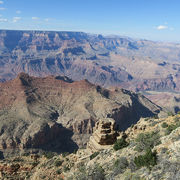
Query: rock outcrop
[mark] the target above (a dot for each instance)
(104, 134)
(107, 163)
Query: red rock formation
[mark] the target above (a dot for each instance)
(55, 112)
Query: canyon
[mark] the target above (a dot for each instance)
(109, 61)
(79, 93)
(58, 114)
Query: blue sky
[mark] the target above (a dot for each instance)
(149, 19)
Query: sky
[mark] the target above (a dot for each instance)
(145, 19)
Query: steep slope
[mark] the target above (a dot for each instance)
(57, 114)
(107, 61)
(161, 135)
(169, 100)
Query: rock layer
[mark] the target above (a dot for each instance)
(107, 61)
(104, 134)
(55, 113)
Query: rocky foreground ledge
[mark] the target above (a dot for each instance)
(150, 150)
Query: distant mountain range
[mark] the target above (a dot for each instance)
(108, 61)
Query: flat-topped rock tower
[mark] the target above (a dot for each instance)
(104, 134)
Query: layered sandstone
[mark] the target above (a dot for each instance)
(104, 134)
(107, 61)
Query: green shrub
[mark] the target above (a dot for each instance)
(120, 143)
(96, 173)
(49, 155)
(35, 163)
(154, 123)
(58, 163)
(171, 127)
(121, 162)
(66, 168)
(164, 125)
(129, 175)
(120, 165)
(75, 151)
(176, 119)
(146, 119)
(145, 141)
(98, 88)
(178, 112)
(105, 93)
(164, 150)
(92, 156)
(18, 159)
(26, 154)
(81, 174)
(155, 116)
(149, 159)
(170, 114)
(92, 173)
(58, 171)
(64, 154)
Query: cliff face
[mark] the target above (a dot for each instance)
(56, 113)
(107, 61)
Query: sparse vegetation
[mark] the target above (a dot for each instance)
(149, 159)
(35, 163)
(64, 154)
(146, 119)
(96, 173)
(105, 93)
(81, 174)
(120, 143)
(178, 112)
(145, 141)
(172, 127)
(176, 119)
(154, 123)
(155, 116)
(58, 171)
(120, 165)
(58, 163)
(49, 154)
(132, 176)
(170, 114)
(164, 125)
(66, 168)
(94, 155)
(18, 159)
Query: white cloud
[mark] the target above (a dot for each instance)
(35, 18)
(161, 27)
(18, 12)
(1, 9)
(3, 20)
(1, 2)
(16, 19)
